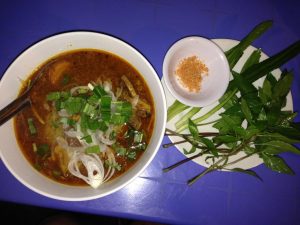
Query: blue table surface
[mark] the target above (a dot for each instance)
(152, 26)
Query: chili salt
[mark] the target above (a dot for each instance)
(190, 72)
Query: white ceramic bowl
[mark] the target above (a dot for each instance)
(23, 66)
(213, 86)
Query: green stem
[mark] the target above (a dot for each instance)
(176, 108)
(209, 113)
(187, 116)
(204, 124)
(167, 169)
(238, 160)
(216, 166)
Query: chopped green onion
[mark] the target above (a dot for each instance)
(84, 122)
(105, 103)
(123, 108)
(43, 150)
(118, 119)
(88, 139)
(138, 137)
(126, 109)
(93, 100)
(31, 126)
(73, 105)
(82, 91)
(106, 116)
(93, 124)
(89, 110)
(103, 126)
(99, 91)
(131, 155)
(92, 149)
(53, 96)
(120, 150)
(58, 105)
(71, 122)
(65, 95)
(140, 146)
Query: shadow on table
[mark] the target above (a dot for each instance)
(31, 215)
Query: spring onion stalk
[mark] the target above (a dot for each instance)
(32, 128)
(209, 113)
(175, 108)
(187, 116)
(235, 53)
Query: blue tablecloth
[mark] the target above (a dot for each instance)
(152, 26)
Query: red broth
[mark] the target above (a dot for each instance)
(62, 73)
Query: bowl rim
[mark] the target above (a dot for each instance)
(168, 57)
(163, 110)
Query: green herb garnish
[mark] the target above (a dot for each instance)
(268, 130)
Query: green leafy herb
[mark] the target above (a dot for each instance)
(253, 120)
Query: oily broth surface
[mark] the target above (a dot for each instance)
(84, 66)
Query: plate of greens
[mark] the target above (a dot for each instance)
(251, 124)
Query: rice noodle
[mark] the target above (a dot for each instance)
(111, 159)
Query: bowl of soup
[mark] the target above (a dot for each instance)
(91, 124)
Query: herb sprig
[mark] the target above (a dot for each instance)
(253, 122)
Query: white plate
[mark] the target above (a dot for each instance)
(248, 163)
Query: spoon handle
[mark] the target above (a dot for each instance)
(13, 108)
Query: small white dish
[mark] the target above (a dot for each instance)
(213, 86)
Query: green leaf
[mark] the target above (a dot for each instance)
(289, 132)
(282, 87)
(280, 137)
(210, 145)
(276, 147)
(249, 172)
(252, 59)
(192, 150)
(251, 131)
(225, 139)
(249, 150)
(193, 129)
(265, 93)
(276, 164)
(227, 124)
(262, 116)
(246, 110)
(234, 54)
